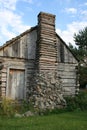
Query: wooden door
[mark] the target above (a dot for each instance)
(16, 88)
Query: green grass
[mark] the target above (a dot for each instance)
(63, 121)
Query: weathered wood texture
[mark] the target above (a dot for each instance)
(67, 68)
(3, 78)
(46, 42)
(24, 47)
(15, 73)
(38, 50)
(68, 75)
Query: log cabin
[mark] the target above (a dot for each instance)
(38, 66)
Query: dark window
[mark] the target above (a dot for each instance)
(61, 52)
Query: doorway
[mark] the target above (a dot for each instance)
(16, 85)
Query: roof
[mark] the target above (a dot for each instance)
(18, 37)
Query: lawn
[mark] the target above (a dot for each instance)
(63, 121)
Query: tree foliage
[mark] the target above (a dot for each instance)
(81, 38)
(81, 53)
(78, 52)
(81, 41)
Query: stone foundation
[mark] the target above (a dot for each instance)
(46, 91)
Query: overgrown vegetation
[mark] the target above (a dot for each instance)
(79, 102)
(10, 107)
(6, 106)
(75, 103)
(81, 41)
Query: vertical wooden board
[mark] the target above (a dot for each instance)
(16, 49)
(16, 84)
(12, 84)
(20, 84)
(31, 42)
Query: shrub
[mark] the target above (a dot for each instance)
(71, 104)
(7, 106)
(26, 106)
(77, 102)
(82, 100)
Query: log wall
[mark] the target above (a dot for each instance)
(66, 67)
(15, 64)
(54, 55)
(40, 52)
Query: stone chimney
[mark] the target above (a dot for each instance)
(46, 42)
(46, 91)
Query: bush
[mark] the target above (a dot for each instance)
(26, 106)
(82, 100)
(77, 102)
(7, 106)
